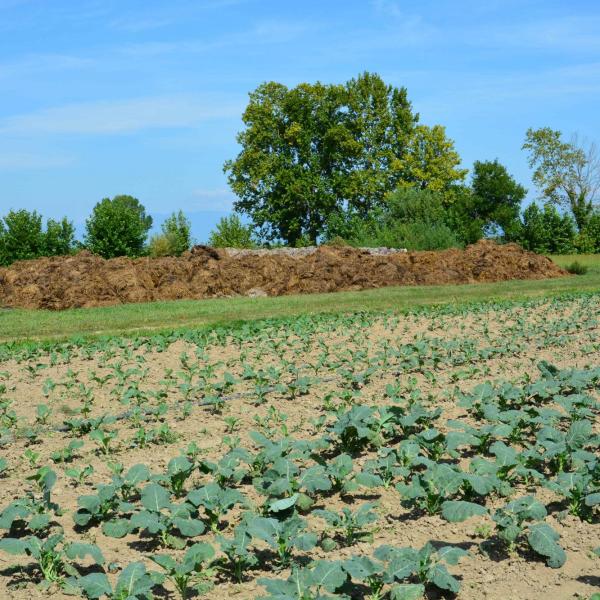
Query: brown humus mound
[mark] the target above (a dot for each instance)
(87, 280)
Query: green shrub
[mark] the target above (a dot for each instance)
(177, 231)
(230, 232)
(412, 236)
(591, 231)
(22, 237)
(118, 227)
(576, 268)
(547, 231)
(160, 245)
(59, 238)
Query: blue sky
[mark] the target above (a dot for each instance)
(100, 97)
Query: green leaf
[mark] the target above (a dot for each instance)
(283, 504)
(13, 545)
(165, 561)
(78, 550)
(439, 576)
(95, 585)
(329, 575)
(154, 497)
(592, 499)
(39, 522)
(306, 541)
(90, 503)
(116, 528)
(189, 527)
(451, 554)
(543, 539)
(134, 581)
(361, 567)
(457, 511)
(137, 474)
(199, 553)
(407, 591)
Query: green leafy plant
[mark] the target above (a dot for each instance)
(133, 582)
(191, 570)
(52, 555)
(282, 536)
(215, 501)
(352, 525)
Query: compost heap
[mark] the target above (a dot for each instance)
(87, 280)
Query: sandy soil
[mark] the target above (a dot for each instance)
(457, 351)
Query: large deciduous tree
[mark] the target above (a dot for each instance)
(567, 173)
(315, 150)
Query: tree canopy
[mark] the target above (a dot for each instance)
(316, 149)
(567, 173)
(498, 196)
(118, 227)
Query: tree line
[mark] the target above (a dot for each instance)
(116, 227)
(351, 164)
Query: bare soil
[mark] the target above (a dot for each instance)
(565, 333)
(86, 280)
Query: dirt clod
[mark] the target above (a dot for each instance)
(86, 280)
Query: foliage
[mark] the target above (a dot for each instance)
(22, 236)
(567, 173)
(577, 268)
(315, 150)
(431, 162)
(117, 227)
(498, 197)
(410, 218)
(380, 422)
(546, 231)
(175, 238)
(231, 233)
(588, 241)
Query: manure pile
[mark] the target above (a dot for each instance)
(86, 280)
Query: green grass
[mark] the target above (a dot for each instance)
(591, 261)
(156, 316)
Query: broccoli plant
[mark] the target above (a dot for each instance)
(427, 565)
(581, 490)
(103, 439)
(216, 502)
(308, 583)
(52, 555)
(350, 525)
(282, 536)
(428, 490)
(191, 570)
(520, 521)
(133, 582)
(167, 522)
(238, 557)
(66, 454)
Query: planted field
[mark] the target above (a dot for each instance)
(439, 453)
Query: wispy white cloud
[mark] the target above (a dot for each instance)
(572, 33)
(388, 8)
(18, 160)
(121, 116)
(30, 64)
(165, 14)
(264, 33)
(489, 93)
(209, 200)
